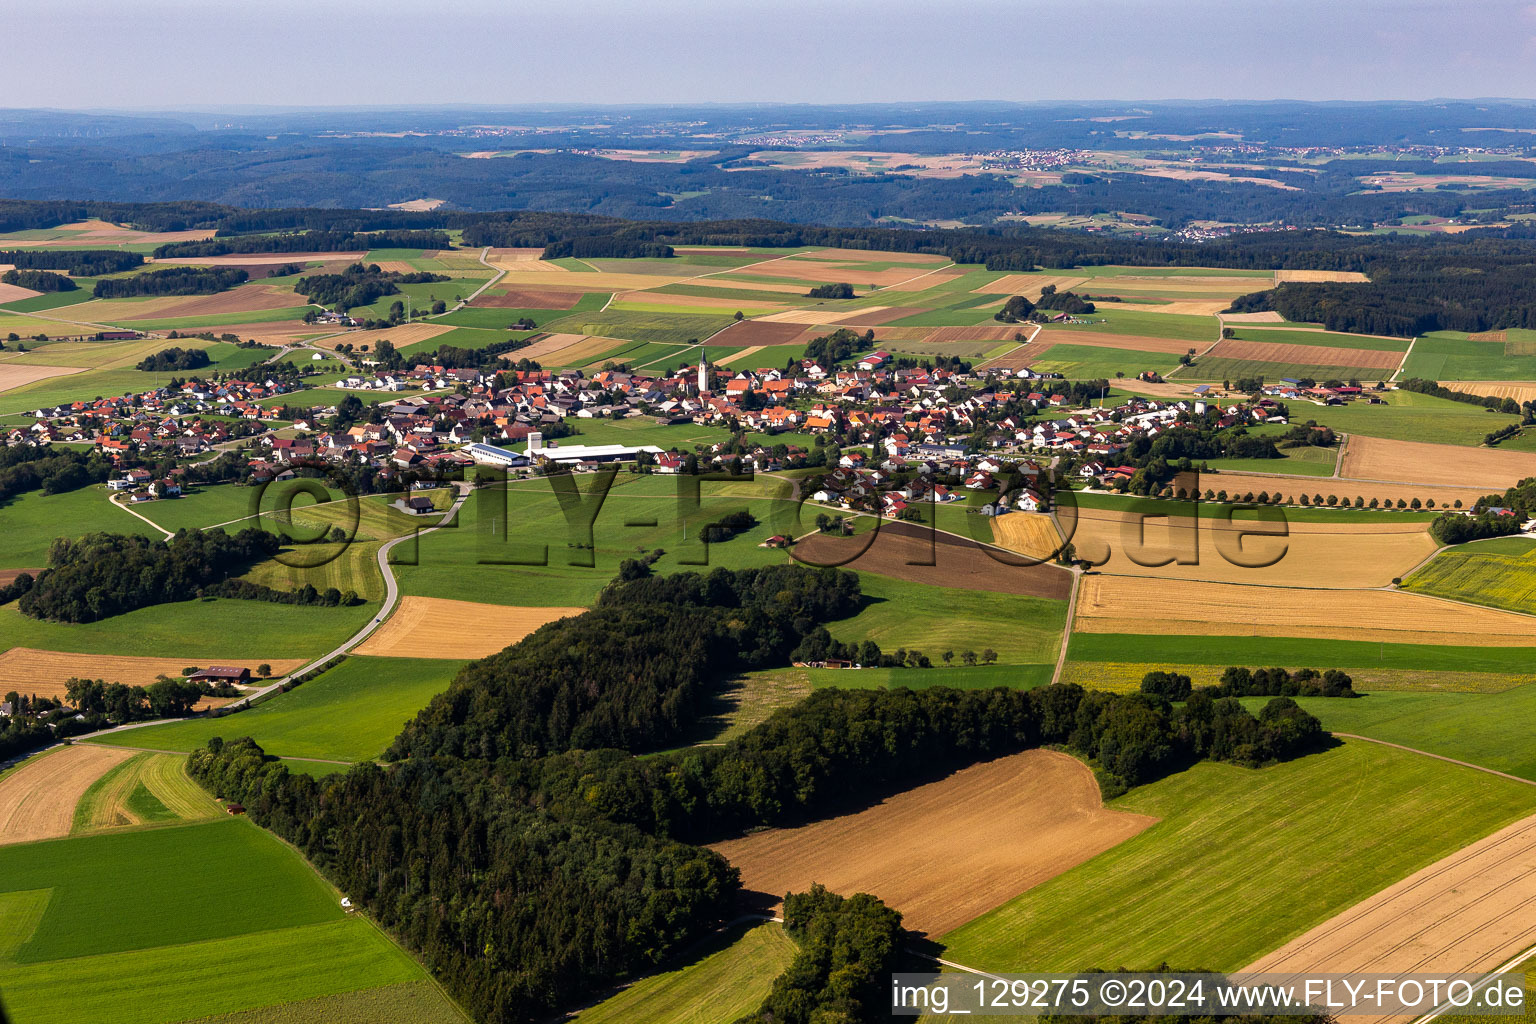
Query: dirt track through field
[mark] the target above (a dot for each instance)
(432, 627)
(1372, 458)
(37, 800)
(1470, 911)
(913, 553)
(951, 850)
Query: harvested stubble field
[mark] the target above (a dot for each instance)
(933, 279)
(1029, 285)
(1305, 355)
(45, 672)
(1344, 486)
(37, 799)
(419, 627)
(820, 315)
(551, 344)
(1127, 604)
(1320, 276)
(401, 337)
(580, 352)
(980, 332)
(1025, 818)
(1188, 307)
(1266, 317)
(1373, 458)
(904, 551)
(1032, 534)
(15, 375)
(762, 333)
(1520, 391)
(828, 272)
(14, 292)
(1470, 911)
(149, 788)
(1328, 556)
(246, 299)
(333, 260)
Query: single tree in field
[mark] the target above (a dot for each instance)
(264, 670)
(989, 656)
(948, 656)
(969, 657)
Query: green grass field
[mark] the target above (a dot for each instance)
(409, 1002)
(1450, 355)
(34, 519)
(664, 328)
(1023, 630)
(1214, 369)
(1309, 461)
(1241, 861)
(1500, 573)
(197, 630)
(1088, 362)
(350, 713)
(725, 980)
(1297, 651)
(640, 514)
(1109, 320)
(1488, 729)
(1408, 416)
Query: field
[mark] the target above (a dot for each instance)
(1467, 912)
(1122, 604)
(350, 713)
(1302, 861)
(913, 554)
(430, 627)
(37, 799)
(1340, 555)
(15, 375)
(1237, 482)
(1500, 573)
(1026, 819)
(1520, 391)
(147, 789)
(723, 981)
(1451, 355)
(44, 673)
(1371, 458)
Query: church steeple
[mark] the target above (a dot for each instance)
(703, 372)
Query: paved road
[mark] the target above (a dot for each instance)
(392, 595)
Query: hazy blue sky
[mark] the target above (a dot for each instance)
(169, 53)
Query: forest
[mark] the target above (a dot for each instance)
(520, 847)
(38, 280)
(79, 262)
(106, 574)
(171, 281)
(358, 285)
(175, 358)
(307, 241)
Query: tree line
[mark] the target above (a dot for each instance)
(358, 285)
(78, 262)
(307, 241)
(106, 574)
(1237, 681)
(39, 280)
(171, 281)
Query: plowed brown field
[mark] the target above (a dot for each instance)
(956, 561)
(951, 850)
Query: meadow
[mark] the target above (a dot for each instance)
(349, 713)
(1089, 362)
(665, 328)
(33, 520)
(1215, 368)
(1500, 573)
(1302, 861)
(1451, 355)
(725, 979)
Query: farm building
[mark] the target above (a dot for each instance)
(221, 674)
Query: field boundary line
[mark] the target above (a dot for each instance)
(501, 272)
(759, 263)
(1438, 757)
(919, 277)
(1406, 353)
(1066, 630)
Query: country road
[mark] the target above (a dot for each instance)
(391, 596)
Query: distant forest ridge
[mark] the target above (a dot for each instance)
(1483, 279)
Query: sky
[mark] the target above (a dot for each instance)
(180, 54)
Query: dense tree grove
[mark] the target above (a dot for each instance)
(38, 280)
(1237, 681)
(530, 866)
(176, 358)
(79, 262)
(1454, 528)
(848, 948)
(171, 281)
(631, 673)
(842, 290)
(358, 285)
(106, 574)
(599, 248)
(839, 345)
(1521, 498)
(116, 703)
(52, 470)
(307, 241)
